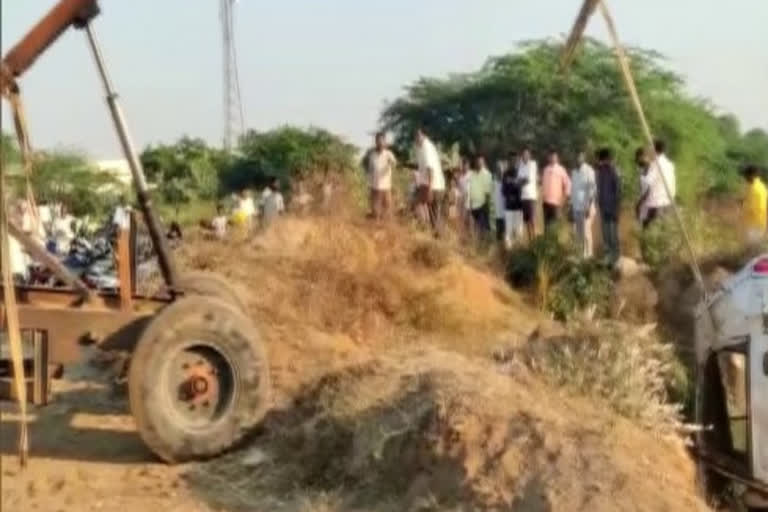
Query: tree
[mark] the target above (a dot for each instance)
(287, 153)
(186, 170)
(9, 149)
(523, 99)
(67, 177)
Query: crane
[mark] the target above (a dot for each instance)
(234, 123)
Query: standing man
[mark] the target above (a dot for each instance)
(381, 165)
(499, 209)
(219, 223)
(272, 203)
(432, 180)
(657, 199)
(643, 167)
(755, 214)
(555, 189)
(583, 195)
(246, 210)
(513, 203)
(121, 217)
(609, 202)
(480, 190)
(528, 178)
(464, 176)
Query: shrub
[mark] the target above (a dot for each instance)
(580, 285)
(663, 243)
(626, 367)
(563, 283)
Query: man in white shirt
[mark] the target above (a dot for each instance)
(219, 223)
(19, 261)
(381, 165)
(273, 204)
(61, 230)
(583, 196)
(121, 219)
(432, 180)
(657, 198)
(528, 174)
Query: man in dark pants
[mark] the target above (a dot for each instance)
(609, 202)
(480, 192)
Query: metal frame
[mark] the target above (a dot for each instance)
(63, 320)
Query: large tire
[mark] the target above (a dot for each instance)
(199, 380)
(207, 284)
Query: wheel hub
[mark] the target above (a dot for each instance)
(200, 384)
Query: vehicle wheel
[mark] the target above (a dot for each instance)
(213, 285)
(199, 379)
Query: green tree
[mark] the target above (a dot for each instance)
(523, 99)
(9, 148)
(184, 171)
(287, 153)
(67, 177)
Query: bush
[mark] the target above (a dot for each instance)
(563, 283)
(663, 244)
(626, 367)
(582, 284)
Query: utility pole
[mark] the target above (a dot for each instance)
(234, 120)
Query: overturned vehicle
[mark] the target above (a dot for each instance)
(732, 388)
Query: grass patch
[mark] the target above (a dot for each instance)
(627, 368)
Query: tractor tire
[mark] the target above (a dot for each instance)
(208, 284)
(199, 380)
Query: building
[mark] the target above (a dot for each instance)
(119, 169)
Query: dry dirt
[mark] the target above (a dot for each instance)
(385, 400)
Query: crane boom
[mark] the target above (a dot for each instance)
(63, 15)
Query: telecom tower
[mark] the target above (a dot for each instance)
(234, 123)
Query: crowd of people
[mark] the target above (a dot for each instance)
(507, 202)
(509, 199)
(247, 213)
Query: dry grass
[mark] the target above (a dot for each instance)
(330, 291)
(368, 282)
(424, 429)
(626, 368)
(372, 417)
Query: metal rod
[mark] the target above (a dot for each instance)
(156, 233)
(41, 255)
(629, 80)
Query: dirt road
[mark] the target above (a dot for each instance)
(86, 456)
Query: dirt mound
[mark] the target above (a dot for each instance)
(347, 278)
(426, 429)
(327, 292)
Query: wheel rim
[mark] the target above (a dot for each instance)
(199, 385)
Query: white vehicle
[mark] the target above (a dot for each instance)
(732, 387)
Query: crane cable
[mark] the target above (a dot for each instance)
(11, 321)
(638, 106)
(11, 312)
(22, 136)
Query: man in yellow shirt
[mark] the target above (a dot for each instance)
(755, 207)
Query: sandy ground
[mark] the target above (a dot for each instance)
(86, 456)
(328, 299)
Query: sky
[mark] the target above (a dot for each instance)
(335, 63)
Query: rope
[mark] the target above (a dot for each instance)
(11, 320)
(25, 147)
(630, 83)
(12, 323)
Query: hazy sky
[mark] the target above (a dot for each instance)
(334, 63)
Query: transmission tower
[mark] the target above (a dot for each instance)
(234, 122)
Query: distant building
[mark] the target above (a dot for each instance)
(119, 169)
